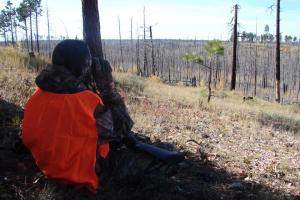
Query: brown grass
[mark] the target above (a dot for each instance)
(258, 140)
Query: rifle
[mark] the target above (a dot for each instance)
(102, 84)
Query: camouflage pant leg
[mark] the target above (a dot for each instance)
(123, 163)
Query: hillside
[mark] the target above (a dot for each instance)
(233, 149)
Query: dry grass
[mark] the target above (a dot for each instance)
(285, 117)
(257, 140)
(17, 75)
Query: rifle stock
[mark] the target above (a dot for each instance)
(130, 140)
(170, 157)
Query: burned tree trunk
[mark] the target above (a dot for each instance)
(37, 31)
(31, 38)
(209, 81)
(48, 28)
(278, 52)
(233, 75)
(91, 27)
(145, 47)
(121, 67)
(26, 35)
(154, 70)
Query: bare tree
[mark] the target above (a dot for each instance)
(233, 74)
(120, 42)
(37, 11)
(48, 38)
(91, 27)
(278, 52)
(145, 45)
(152, 53)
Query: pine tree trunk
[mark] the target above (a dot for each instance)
(132, 46)
(145, 50)
(152, 53)
(37, 31)
(91, 27)
(12, 33)
(49, 37)
(255, 70)
(121, 66)
(209, 82)
(233, 75)
(278, 53)
(31, 39)
(5, 38)
(16, 33)
(26, 35)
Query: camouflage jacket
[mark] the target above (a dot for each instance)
(58, 79)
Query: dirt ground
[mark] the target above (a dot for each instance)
(225, 158)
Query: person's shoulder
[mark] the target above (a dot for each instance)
(90, 94)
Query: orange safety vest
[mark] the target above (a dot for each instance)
(60, 131)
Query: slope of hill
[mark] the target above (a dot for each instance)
(234, 149)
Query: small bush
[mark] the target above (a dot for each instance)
(154, 78)
(281, 122)
(129, 82)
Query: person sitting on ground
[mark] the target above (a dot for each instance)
(66, 125)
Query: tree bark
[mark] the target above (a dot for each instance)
(37, 31)
(255, 70)
(233, 75)
(31, 39)
(152, 53)
(209, 81)
(48, 27)
(91, 27)
(26, 32)
(278, 53)
(5, 38)
(121, 67)
(145, 50)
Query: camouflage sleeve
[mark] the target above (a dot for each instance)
(104, 82)
(104, 124)
(122, 121)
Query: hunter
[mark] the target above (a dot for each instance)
(67, 126)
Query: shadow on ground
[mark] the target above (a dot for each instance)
(194, 178)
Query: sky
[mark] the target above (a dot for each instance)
(171, 19)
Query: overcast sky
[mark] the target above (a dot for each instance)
(172, 19)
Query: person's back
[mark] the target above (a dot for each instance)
(61, 123)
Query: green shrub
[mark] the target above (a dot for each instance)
(129, 82)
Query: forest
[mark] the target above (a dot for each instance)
(255, 54)
(231, 106)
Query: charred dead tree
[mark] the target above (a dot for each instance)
(131, 44)
(91, 27)
(138, 68)
(121, 67)
(31, 32)
(145, 73)
(48, 38)
(154, 70)
(278, 52)
(234, 48)
(37, 11)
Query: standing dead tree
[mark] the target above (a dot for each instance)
(91, 27)
(48, 37)
(234, 48)
(278, 52)
(37, 11)
(10, 13)
(120, 42)
(154, 70)
(22, 15)
(131, 44)
(145, 73)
